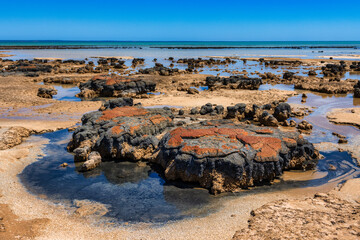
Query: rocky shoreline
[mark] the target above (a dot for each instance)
(242, 139)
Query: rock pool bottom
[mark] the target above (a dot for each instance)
(139, 194)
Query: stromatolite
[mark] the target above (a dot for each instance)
(222, 156)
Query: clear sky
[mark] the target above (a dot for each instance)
(221, 20)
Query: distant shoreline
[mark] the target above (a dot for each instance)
(9, 47)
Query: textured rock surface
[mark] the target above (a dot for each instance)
(326, 86)
(115, 86)
(122, 132)
(12, 137)
(46, 92)
(159, 69)
(236, 82)
(357, 90)
(334, 70)
(326, 216)
(222, 156)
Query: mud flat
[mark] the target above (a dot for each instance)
(348, 116)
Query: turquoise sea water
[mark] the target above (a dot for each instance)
(355, 44)
(190, 49)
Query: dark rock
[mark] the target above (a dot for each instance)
(205, 109)
(237, 82)
(181, 112)
(122, 133)
(333, 70)
(108, 86)
(159, 69)
(282, 112)
(268, 120)
(231, 112)
(118, 102)
(357, 90)
(222, 156)
(304, 125)
(194, 111)
(288, 75)
(219, 109)
(312, 73)
(46, 92)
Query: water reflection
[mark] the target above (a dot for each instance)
(139, 194)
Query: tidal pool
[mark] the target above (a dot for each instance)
(136, 193)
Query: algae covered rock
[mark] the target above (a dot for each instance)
(120, 131)
(223, 156)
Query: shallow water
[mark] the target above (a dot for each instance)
(324, 103)
(139, 194)
(66, 93)
(134, 193)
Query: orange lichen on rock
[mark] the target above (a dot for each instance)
(122, 112)
(112, 80)
(134, 129)
(157, 119)
(117, 130)
(178, 134)
(201, 151)
(268, 147)
(231, 132)
(290, 142)
(265, 131)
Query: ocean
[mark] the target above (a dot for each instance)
(177, 49)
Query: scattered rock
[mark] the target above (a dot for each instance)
(109, 86)
(304, 125)
(282, 112)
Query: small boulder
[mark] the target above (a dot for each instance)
(46, 92)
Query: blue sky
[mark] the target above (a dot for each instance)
(139, 20)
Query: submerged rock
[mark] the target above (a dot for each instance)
(222, 156)
(115, 86)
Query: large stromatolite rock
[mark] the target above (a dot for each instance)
(122, 133)
(222, 156)
(237, 82)
(109, 86)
